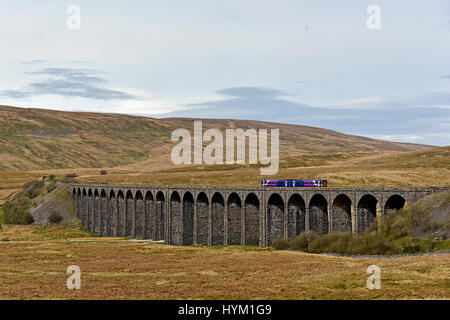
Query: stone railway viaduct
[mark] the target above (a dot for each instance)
(183, 215)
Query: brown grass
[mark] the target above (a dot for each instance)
(126, 270)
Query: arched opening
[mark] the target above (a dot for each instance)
(84, 209)
(121, 214)
(140, 216)
(175, 219)
(217, 219)
(251, 221)
(275, 218)
(202, 219)
(234, 208)
(318, 214)
(130, 215)
(79, 192)
(150, 217)
(367, 212)
(296, 215)
(160, 216)
(97, 212)
(112, 215)
(188, 219)
(129, 195)
(90, 211)
(394, 202)
(74, 193)
(342, 214)
(103, 223)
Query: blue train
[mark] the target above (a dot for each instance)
(294, 183)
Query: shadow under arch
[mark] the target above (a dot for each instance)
(366, 212)
(296, 215)
(217, 219)
(341, 214)
(275, 218)
(188, 219)
(202, 219)
(234, 211)
(318, 214)
(251, 219)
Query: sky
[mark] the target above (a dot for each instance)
(308, 62)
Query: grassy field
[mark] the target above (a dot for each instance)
(33, 265)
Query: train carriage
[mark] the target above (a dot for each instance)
(294, 183)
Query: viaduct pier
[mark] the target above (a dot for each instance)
(186, 215)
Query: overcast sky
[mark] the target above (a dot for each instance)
(311, 62)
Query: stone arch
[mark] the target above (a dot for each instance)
(217, 219)
(251, 219)
(130, 214)
(150, 224)
(318, 214)
(111, 229)
(90, 211)
(84, 208)
(149, 196)
(129, 195)
(139, 215)
(96, 213)
(188, 219)
(103, 217)
(296, 215)
(79, 192)
(234, 210)
(74, 193)
(394, 202)
(121, 214)
(341, 213)
(275, 218)
(202, 219)
(367, 212)
(175, 219)
(160, 216)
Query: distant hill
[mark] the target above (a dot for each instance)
(33, 139)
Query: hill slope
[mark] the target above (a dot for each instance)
(33, 139)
